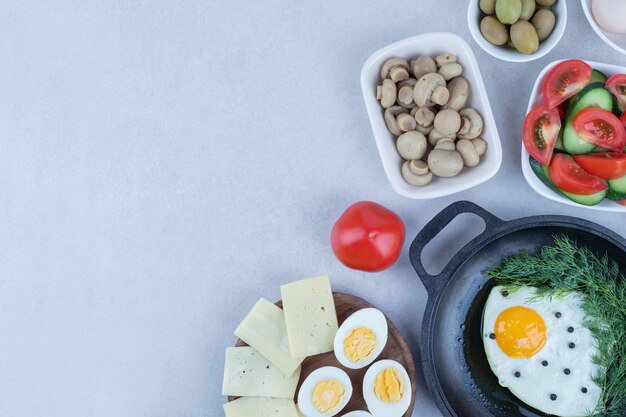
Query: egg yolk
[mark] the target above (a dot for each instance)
(360, 344)
(520, 332)
(388, 386)
(328, 395)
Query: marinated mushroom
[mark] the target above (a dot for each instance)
(416, 172)
(411, 145)
(444, 162)
(449, 71)
(395, 68)
(434, 136)
(406, 122)
(468, 152)
(447, 122)
(471, 124)
(445, 59)
(480, 145)
(431, 88)
(423, 65)
(390, 119)
(424, 116)
(405, 93)
(459, 92)
(424, 130)
(386, 93)
(446, 144)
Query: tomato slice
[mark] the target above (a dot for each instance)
(565, 80)
(541, 131)
(617, 85)
(623, 118)
(607, 165)
(621, 202)
(602, 128)
(562, 112)
(568, 176)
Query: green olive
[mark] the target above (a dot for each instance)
(508, 11)
(494, 31)
(488, 6)
(524, 37)
(547, 3)
(528, 9)
(543, 21)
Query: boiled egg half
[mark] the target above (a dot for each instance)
(387, 389)
(357, 414)
(325, 392)
(361, 338)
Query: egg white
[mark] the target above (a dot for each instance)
(536, 382)
(380, 408)
(357, 414)
(371, 318)
(305, 400)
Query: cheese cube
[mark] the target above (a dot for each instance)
(264, 329)
(248, 374)
(310, 316)
(260, 407)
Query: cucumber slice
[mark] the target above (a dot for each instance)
(587, 200)
(617, 189)
(598, 77)
(593, 95)
(559, 141)
(573, 143)
(541, 171)
(570, 101)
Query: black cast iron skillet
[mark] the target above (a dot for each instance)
(455, 366)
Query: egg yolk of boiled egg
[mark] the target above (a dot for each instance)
(360, 344)
(520, 332)
(328, 395)
(388, 386)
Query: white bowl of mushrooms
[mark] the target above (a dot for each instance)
(430, 115)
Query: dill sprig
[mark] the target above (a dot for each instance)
(566, 267)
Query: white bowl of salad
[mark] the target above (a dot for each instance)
(574, 135)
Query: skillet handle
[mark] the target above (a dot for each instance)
(434, 227)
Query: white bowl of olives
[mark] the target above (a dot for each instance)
(517, 30)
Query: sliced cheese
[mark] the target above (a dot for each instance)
(264, 329)
(260, 407)
(310, 316)
(248, 374)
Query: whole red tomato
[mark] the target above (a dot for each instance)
(367, 237)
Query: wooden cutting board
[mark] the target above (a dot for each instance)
(396, 349)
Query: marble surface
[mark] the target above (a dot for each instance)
(165, 164)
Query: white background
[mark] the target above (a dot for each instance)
(165, 164)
